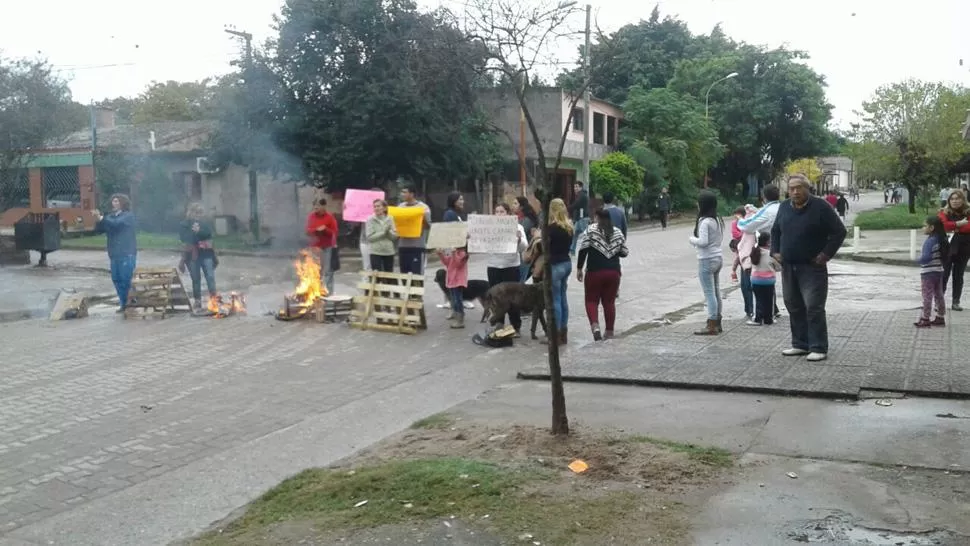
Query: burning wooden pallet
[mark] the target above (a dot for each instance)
(389, 302)
(155, 291)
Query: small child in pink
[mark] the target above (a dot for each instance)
(456, 279)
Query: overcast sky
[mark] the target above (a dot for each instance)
(108, 48)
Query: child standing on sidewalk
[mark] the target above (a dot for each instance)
(763, 269)
(456, 278)
(936, 250)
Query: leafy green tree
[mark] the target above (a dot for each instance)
(645, 53)
(35, 107)
(373, 90)
(174, 101)
(775, 110)
(617, 173)
(674, 127)
(911, 131)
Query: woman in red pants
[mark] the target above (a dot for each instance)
(600, 250)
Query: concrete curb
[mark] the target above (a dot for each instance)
(876, 259)
(690, 386)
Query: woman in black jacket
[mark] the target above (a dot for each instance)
(600, 250)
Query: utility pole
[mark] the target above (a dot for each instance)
(525, 76)
(253, 187)
(586, 97)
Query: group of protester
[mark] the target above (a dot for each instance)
(796, 237)
(195, 233)
(600, 241)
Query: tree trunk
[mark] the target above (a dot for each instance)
(560, 422)
(911, 190)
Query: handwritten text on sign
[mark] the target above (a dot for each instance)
(448, 235)
(493, 234)
(359, 204)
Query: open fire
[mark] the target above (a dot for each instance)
(309, 292)
(220, 308)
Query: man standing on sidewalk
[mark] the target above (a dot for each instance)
(806, 235)
(579, 210)
(663, 207)
(411, 249)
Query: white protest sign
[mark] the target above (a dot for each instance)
(448, 235)
(493, 234)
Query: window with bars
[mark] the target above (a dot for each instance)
(598, 122)
(14, 189)
(62, 187)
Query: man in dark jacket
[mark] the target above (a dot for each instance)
(663, 206)
(617, 216)
(806, 235)
(579, 211)
(842, 206)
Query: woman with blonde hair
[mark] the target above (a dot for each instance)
(198, 254)
(560, 239)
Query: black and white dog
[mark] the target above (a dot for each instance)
(475, 291)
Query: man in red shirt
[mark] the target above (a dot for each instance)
(321, 228)
(831, 198)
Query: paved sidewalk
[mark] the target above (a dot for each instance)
(869, 350)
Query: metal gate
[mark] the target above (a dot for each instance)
(62, 187)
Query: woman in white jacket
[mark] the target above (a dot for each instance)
(505, 267)
(707, 239)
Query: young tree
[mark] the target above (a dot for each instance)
(518, 37)
(920, 122)
(617, 173)
(807, 166)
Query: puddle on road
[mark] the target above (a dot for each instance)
(841, 529)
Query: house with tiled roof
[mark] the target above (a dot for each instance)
(64, 177)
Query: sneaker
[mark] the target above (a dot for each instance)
(956, 307)
(816, 357)
(597, 336)
(938, 321)
(923, 323)
(752, 322)
(794, 352)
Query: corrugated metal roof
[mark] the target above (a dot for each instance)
(170, 136)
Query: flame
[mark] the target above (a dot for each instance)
(309, 289)
(220, 309)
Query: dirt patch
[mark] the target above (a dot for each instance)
(446, 481)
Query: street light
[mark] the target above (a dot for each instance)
(707, 113)
(707, 97)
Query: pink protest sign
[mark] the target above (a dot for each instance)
(359, 204)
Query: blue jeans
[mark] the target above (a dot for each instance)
(747, 293)
(325, 256)
(579, 227)
(197, 268)
(524, 271)
(122, 270)
(709, 273)
(560, 306)
(457, 305)
(805, 288)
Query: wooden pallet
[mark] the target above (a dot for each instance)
(389, 302)
(333, 308)
(155, 292)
